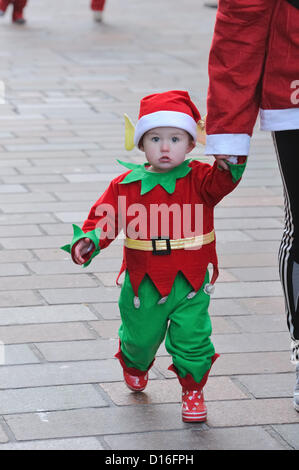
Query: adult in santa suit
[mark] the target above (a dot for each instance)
(97, 7)
(18, 7)
(253, 68)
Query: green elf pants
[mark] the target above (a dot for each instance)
(183, 318)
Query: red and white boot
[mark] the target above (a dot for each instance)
(194, 409)
(136, 383)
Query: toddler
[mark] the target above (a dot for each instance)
(165, 207)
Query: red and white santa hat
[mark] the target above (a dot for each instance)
(169, 109)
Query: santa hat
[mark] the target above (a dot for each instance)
(169, 109)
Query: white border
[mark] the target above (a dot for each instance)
(279, 119)
(227, 144)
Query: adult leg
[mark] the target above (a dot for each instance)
(98, 8)
(286, 145)
(3, 6)
(18, 15)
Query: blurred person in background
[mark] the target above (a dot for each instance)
(97, 7)
(18, 10)
(254, 68)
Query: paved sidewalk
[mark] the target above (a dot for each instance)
(68, 82)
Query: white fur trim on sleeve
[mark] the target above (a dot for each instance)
(227, 144)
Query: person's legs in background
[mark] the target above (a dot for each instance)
(18, 7)
(97, 7)
(286, 146)
(18, 11)
(3, 6)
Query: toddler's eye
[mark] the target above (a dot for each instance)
(175, 139)
(155, 139)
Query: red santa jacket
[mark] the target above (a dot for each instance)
(253, 65)
(124, 206)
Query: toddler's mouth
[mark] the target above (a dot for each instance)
(165, 159)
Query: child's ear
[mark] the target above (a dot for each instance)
(192, 144)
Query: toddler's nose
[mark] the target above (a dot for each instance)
(165, 145)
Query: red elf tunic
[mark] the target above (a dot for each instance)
(128, 204)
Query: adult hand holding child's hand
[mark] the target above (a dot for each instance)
(83, 250)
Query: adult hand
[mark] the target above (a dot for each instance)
(82, 251)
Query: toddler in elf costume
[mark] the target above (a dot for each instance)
(97, 7)
(166, 289)
(18, 7)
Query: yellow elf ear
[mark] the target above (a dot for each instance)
(201, 131)
(129, 133)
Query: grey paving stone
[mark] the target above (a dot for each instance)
(45, 314)
(260, 323)
(63, 373)
(268, 273)
(254, 363)
(241, 438)
(21, 219)
(248, 289)
(87, 295)
(44, 332)
(247, 223)
(223, 326)
(252, 412)
(14, 269)
(226, 307)
(13, 188)
(33, 243)
(68, 267)
(3, 436)
(270, 385)
(170, 391)
(85, 443)
(19, 298)
(238, 260)
(289, 433)
(251, 342)
(263, 305)
(43, 399)
(15, 256)
(79, 350)
(92, 422)
(44, 282)
(19, 354)
(248, 211)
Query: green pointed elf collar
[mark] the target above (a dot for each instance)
(150, 179)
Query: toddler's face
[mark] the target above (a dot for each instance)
(166, 147)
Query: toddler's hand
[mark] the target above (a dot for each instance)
(221, 160)
(83, 250)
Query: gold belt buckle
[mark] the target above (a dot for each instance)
(162, 251)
